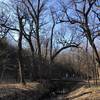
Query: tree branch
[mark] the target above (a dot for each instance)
(65, 47)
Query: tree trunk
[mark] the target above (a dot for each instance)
(21, 67)
(34, 70)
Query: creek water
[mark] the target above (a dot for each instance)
(59, 94)
(55, 97)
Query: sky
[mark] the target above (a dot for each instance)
(54, 1)
(4, 0)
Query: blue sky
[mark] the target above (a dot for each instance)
(55, 6)
(4, 0)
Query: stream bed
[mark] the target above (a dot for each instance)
(59, 91)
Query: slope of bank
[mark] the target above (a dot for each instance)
(84, 93)
(30, 91)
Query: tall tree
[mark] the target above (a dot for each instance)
(83, 18)
(18, 28)
(21, 67)
(36, 10)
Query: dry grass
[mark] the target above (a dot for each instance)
(85, 93)
(10, 89)
(20, 86)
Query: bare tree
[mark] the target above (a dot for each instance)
(21, 67)
(59, 37)
(11, 27)
(84, 18)
(35, 10)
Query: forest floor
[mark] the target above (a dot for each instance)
(30, 91)
(84, 93)
(34, 91)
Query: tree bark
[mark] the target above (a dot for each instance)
(21, 66)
